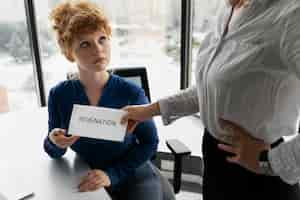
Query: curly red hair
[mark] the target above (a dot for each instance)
(72, 18)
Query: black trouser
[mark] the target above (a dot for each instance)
(226, 181)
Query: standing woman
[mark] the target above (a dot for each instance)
(247, 70)
(122, 168)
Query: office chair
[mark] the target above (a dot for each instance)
(138, 76)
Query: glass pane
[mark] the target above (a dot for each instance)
(145, 33)
(203, 19)
(17, 89)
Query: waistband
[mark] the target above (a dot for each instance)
(217, 141)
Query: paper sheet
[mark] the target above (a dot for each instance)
(97, 122)
(16, 184)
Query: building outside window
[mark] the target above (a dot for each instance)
(17, 88)
(204, 16)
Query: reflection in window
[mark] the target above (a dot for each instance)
(145, 33)
(17, 89)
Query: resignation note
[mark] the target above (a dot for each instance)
(97, 122)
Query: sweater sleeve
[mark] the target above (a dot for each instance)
(145, 148)
(179, 105)
(53, 122)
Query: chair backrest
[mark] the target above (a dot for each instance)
(137, 75)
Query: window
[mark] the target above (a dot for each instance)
(17, 88)
(145, 33)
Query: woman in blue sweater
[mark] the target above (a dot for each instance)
(123, 169)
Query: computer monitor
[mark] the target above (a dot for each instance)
(137, 75)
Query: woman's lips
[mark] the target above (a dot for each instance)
(99, 60)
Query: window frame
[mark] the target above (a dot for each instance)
(35, 51)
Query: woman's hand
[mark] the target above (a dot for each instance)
(238, 3)
(57, 136)
(94, 180)
(245, 148)
(139, 113)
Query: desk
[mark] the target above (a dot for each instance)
(48, 177)
(24, 166)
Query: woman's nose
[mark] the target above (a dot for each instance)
(98, 48)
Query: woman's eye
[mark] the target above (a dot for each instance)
(102, 39)
(84, 44)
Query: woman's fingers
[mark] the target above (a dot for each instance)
(83, 187)
(84, 184)
(131, 122)
(230, 149)
(94, 187)
(92, 181)
(230, 126)
(72, 139)
(240, 135)
(246, 149)
(227, 148)
(65, 141)
(127, 115)
(135, 114)
(55, 134)
(124, 119)
(88, 176)
(238, 132)
(59, 138)
(230, 123)
(233, 159)
(58, 131)
(131, 126)
(69, 142)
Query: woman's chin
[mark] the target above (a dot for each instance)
(100, 67)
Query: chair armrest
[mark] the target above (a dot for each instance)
(179, 150)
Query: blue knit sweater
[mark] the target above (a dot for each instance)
(118, 159)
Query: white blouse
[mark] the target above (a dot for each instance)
(251, 77)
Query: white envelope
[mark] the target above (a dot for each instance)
(97, 122)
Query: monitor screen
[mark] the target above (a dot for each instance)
(135, 79)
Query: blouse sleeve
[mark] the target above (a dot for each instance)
(285, 159)
(179, 105)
